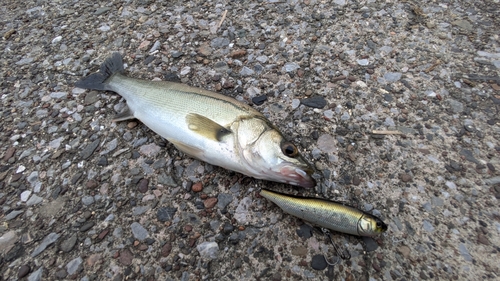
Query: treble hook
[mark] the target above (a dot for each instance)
(342, 253)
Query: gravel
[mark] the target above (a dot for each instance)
(395, 103)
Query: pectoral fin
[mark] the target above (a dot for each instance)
(206, 127)
(189, 150)
(126, 114)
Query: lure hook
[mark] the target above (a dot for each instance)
(343, 253)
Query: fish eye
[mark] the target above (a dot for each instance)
(289, 149)
(379, 224)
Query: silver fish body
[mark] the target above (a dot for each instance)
(328, 214)
(208, 126)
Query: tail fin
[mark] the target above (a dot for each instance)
(97, 81)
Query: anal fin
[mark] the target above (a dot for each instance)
(206, 127)
(126, 114)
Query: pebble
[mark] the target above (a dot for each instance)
(37, 275)
(245, 71)
(23, 271)
(208, 250)
(259, 100)
(428, 226)
(87, 226)
(13, 214)
(224, 199)
(143, 185)
(197, 187)
(34, 199)
(314, 102)
(139, 210)
(74, 265)
(88, 200)
(318, 262)
(291, 66)
(166, 249)
(89, 149)
(139, 232)
(370, 244)
(150, 150)
(305, 231)
(47, 241)
(25, 195)
(492, 181)
(68, 244)
(165, 213)
(326, 143)
(126, 257)
(464, 252)
(392, 76)
(404, 251)
(405, 177)
(241, 213)
(210, 202)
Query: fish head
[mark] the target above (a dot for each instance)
(272, 157)
(370, 225)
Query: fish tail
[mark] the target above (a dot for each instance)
(97, 81)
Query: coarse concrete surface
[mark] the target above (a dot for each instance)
(395, 103)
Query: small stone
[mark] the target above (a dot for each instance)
(13, 214)
(404, 251)
(87, 226)
(34, 199)
(37, 275)
(74, 266)
(300, 251)
(238, 53)
(126, 257)
(370, 244)
(47, 241)
(23, 271)
(326, 143)
(481, 238)
(103, 234)
(166, 213)
(405, 177)
(139, 232)
(356, 180)
(210, 202)
(208, 250)
(314, 102)
(197, 187)
(224, 199)
(142, 186)
(318, 262)
(93, 259)
(91, 98)
(464, 252)
(150, 150)
(392, 76)
(291, 66)
(305, 231)
(68, 244)
(91, 184)
(259, 100)
(246, 71)
(89, 149)
(9, 153)
(166, 249)
(205, 50)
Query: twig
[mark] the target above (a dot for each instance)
(431, 68)
(222, 19)
(385, 132)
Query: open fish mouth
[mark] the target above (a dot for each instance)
(298, 176)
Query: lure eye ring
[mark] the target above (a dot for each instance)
(289, 149)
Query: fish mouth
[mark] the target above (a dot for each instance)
(298, 176)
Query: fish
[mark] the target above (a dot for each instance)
(328, 214)
(205, 125)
